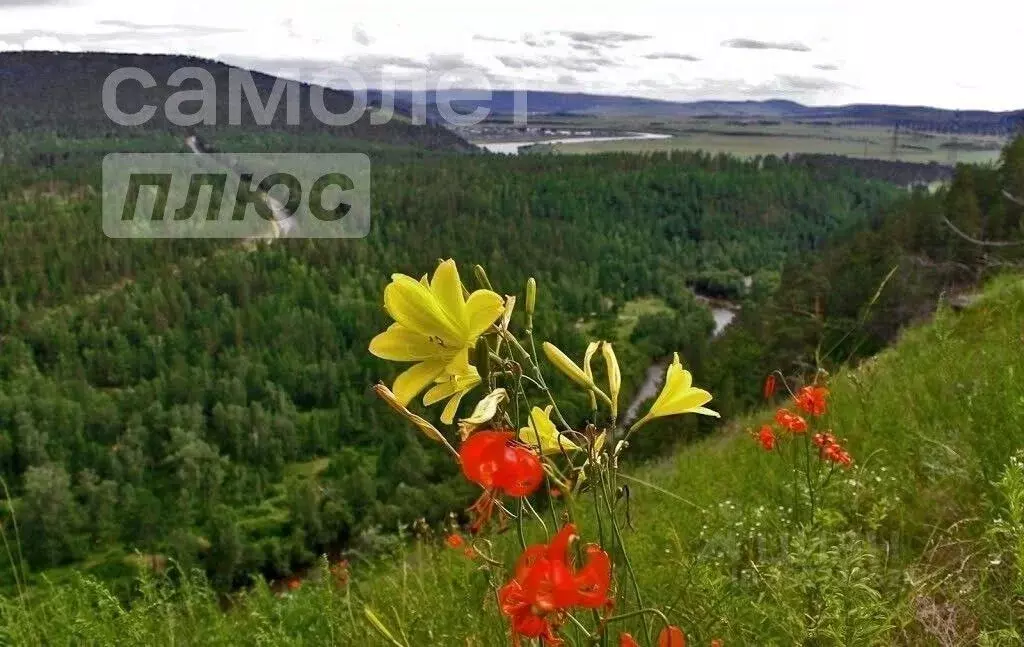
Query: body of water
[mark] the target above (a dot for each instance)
(512, 148)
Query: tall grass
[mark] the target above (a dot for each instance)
(918, 543)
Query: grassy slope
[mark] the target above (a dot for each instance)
(897, 559)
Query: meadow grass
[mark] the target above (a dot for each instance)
(629, 315)
(917, 544)
(871, 142)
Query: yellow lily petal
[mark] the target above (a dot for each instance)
(450, 409)
(454, 386)
(482, 309)
(484, 412)
(428, 429)
(682, 402)
(506, 318)
(567, 366)
(416, 378)
(682, 378)
(704, 411)
(449, 385)
(506, 314)
(542, 433)
(459, 365)
(447, 288)
(614, 376)
(587, 357)
(415, 307)
(399, 344)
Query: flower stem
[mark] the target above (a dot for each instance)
(622, 548)
(807, 465)
(633, 614)
(536, 371)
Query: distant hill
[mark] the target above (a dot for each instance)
(60, 93)
(915, 117)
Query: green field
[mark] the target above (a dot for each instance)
(717, 136)
(629, 315)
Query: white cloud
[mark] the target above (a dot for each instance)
(49, 43)
(958, 61)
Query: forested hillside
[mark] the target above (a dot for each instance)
(852, 298)
(195, 400)
(56, 98)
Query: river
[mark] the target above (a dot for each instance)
(512, 148)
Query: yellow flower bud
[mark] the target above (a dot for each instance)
(578, 375)
(614, 376)
(531, 296)
(429, 430)
(567, 366)
(481, 277)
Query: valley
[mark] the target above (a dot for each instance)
(194, 450)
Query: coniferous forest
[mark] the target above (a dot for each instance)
(211, 403)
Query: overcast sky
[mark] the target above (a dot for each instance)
(813, 51)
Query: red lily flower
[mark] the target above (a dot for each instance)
(625, 640)
(767, 438)
(769, 387)
(544, 586)
(812, 399)
(672, 637)
(791, 421)
(496, 462)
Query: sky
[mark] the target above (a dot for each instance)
(817, 52)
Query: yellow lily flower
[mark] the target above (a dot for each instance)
(483, 413)
(677, 396)
(614, 376)
(453, 387)
(435, 326)
(429, 430)
(542, 433)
